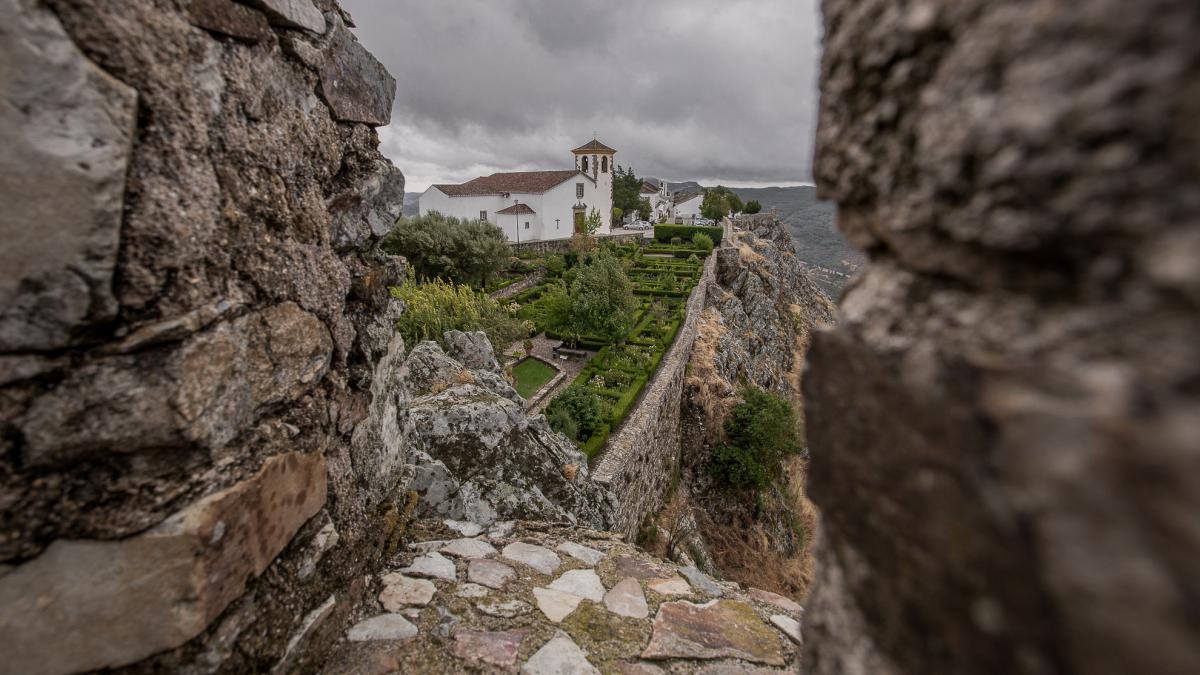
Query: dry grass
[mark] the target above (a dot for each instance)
(710, 391)
(743, 549)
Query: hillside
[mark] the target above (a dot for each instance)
(410, 204)
(823, 249)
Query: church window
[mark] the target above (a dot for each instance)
(527, 224)
(483, 216)
(579, 188)
(603, 165)
(585, 164)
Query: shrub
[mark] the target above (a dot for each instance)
(664, 233)
(702, 241)
(676, 240)
(555, 265)
(581, 406)
(760, 432)
(434, 307)
(440, 247)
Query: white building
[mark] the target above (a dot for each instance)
(662, 206)
(687, 206)
(534, 205)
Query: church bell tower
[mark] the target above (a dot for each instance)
(597, 160)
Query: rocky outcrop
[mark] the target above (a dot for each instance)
(196, 465)
(762, 306)
(477, 455)
(1003, 424)
(551, 599)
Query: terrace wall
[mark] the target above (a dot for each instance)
(642, 454)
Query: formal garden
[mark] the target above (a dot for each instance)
(622, 305)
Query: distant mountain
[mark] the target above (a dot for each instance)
(818, 243)
(410, 204)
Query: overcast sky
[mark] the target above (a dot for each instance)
(708, 90)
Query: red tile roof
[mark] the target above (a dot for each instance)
(516, 210)
(593, 146)
(520, 182)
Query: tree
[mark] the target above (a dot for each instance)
(714, 206)
(617, 214)
(752, 207)
(644, 209)
(720, 202)
(593, 222)
(600, 301)
(626, 190)
(440, 247)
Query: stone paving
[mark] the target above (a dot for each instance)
(539, 598)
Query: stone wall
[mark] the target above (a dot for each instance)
(1004, 423)
(191, 316)
(643, 454)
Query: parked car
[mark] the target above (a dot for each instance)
(639, 225)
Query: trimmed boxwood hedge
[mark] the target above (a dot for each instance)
(665, 233)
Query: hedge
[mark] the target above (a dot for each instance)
(667, 232)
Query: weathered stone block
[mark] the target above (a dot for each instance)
(208, 391)
(229, 18)
(293, 14)
(83, 605)
(66, 128)
(354, 83)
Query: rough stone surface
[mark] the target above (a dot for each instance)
(471, 590)
(469, 548)
(786, 604)
(719, 628)
(539, 558)
(789, 626)
(588, 556)
(432, 565)
(583, 583)
(477, 455)
(672, 586)
(556, 605)
(400, 590)
(490, 573)
(183, 318)
(67, 128)
(559, 655)
(125, 600)
(505, 609)
(627, 599)
(466, 529)
(382, 627)
(1009, 393)
(293, 14)
(613, 633)
(495, 648)
(354, 83)
(701, 581)
(230, 18)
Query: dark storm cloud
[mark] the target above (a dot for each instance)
(683, 89)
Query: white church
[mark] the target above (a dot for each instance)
(534, 205)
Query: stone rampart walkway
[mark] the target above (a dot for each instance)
(540, 599)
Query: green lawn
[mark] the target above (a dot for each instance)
(531, 375)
